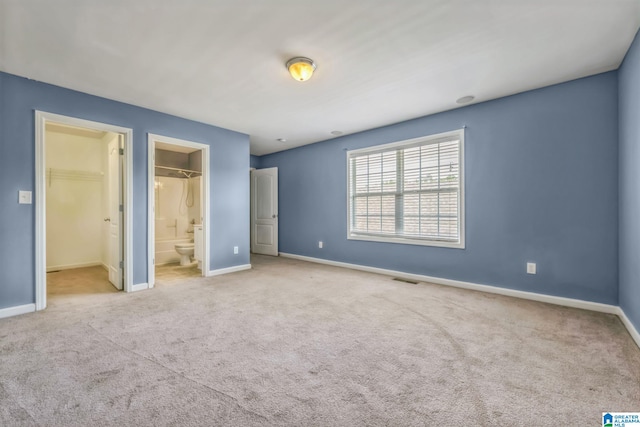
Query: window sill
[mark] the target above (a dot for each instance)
(404, 241)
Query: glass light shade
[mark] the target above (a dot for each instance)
(301, 69)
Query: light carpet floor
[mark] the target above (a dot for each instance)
(290, 343)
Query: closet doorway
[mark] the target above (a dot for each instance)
(178, 234)
(83, 208)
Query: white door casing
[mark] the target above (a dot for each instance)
(115, 215)
(264, 211)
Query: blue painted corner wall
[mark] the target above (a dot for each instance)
(254, 162)
(629, 89)
(541, 186)
(20, 97)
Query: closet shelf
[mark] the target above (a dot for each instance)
(73, 175)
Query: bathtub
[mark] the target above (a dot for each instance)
(166, 251)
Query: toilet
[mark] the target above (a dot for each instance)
(186, 252)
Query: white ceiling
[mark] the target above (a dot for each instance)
(379, 62)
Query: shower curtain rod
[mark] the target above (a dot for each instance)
(185, 171)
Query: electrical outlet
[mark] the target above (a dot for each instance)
(531, 268)
(235, 250)
(320, 244)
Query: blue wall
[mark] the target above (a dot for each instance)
(19, 98)
(254, 162)
(541, 186)
(629, 84)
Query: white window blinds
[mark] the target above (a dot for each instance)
(409, 191)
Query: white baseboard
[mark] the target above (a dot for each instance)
(139, 287)
(627, 323)
(72, 266)
(567, 302)
(17, 310)
(228, 270)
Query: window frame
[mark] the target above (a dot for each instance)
(458, 134)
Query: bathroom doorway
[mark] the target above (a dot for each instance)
(178, 244)
(82, 207)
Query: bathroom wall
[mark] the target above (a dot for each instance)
(195, 161)
(171, 159)
(195, 210)
(74, 200)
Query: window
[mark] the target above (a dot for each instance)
(409, 192)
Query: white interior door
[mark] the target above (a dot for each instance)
(264, 211)
(115, 214)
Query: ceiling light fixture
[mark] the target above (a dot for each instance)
(336, 133)
(281, 140)
(301, 68)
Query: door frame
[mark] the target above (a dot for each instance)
(41, 120)
(205, 200)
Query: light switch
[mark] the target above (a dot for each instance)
(24, 197)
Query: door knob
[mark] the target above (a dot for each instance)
(107, 220)
(274, 216)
